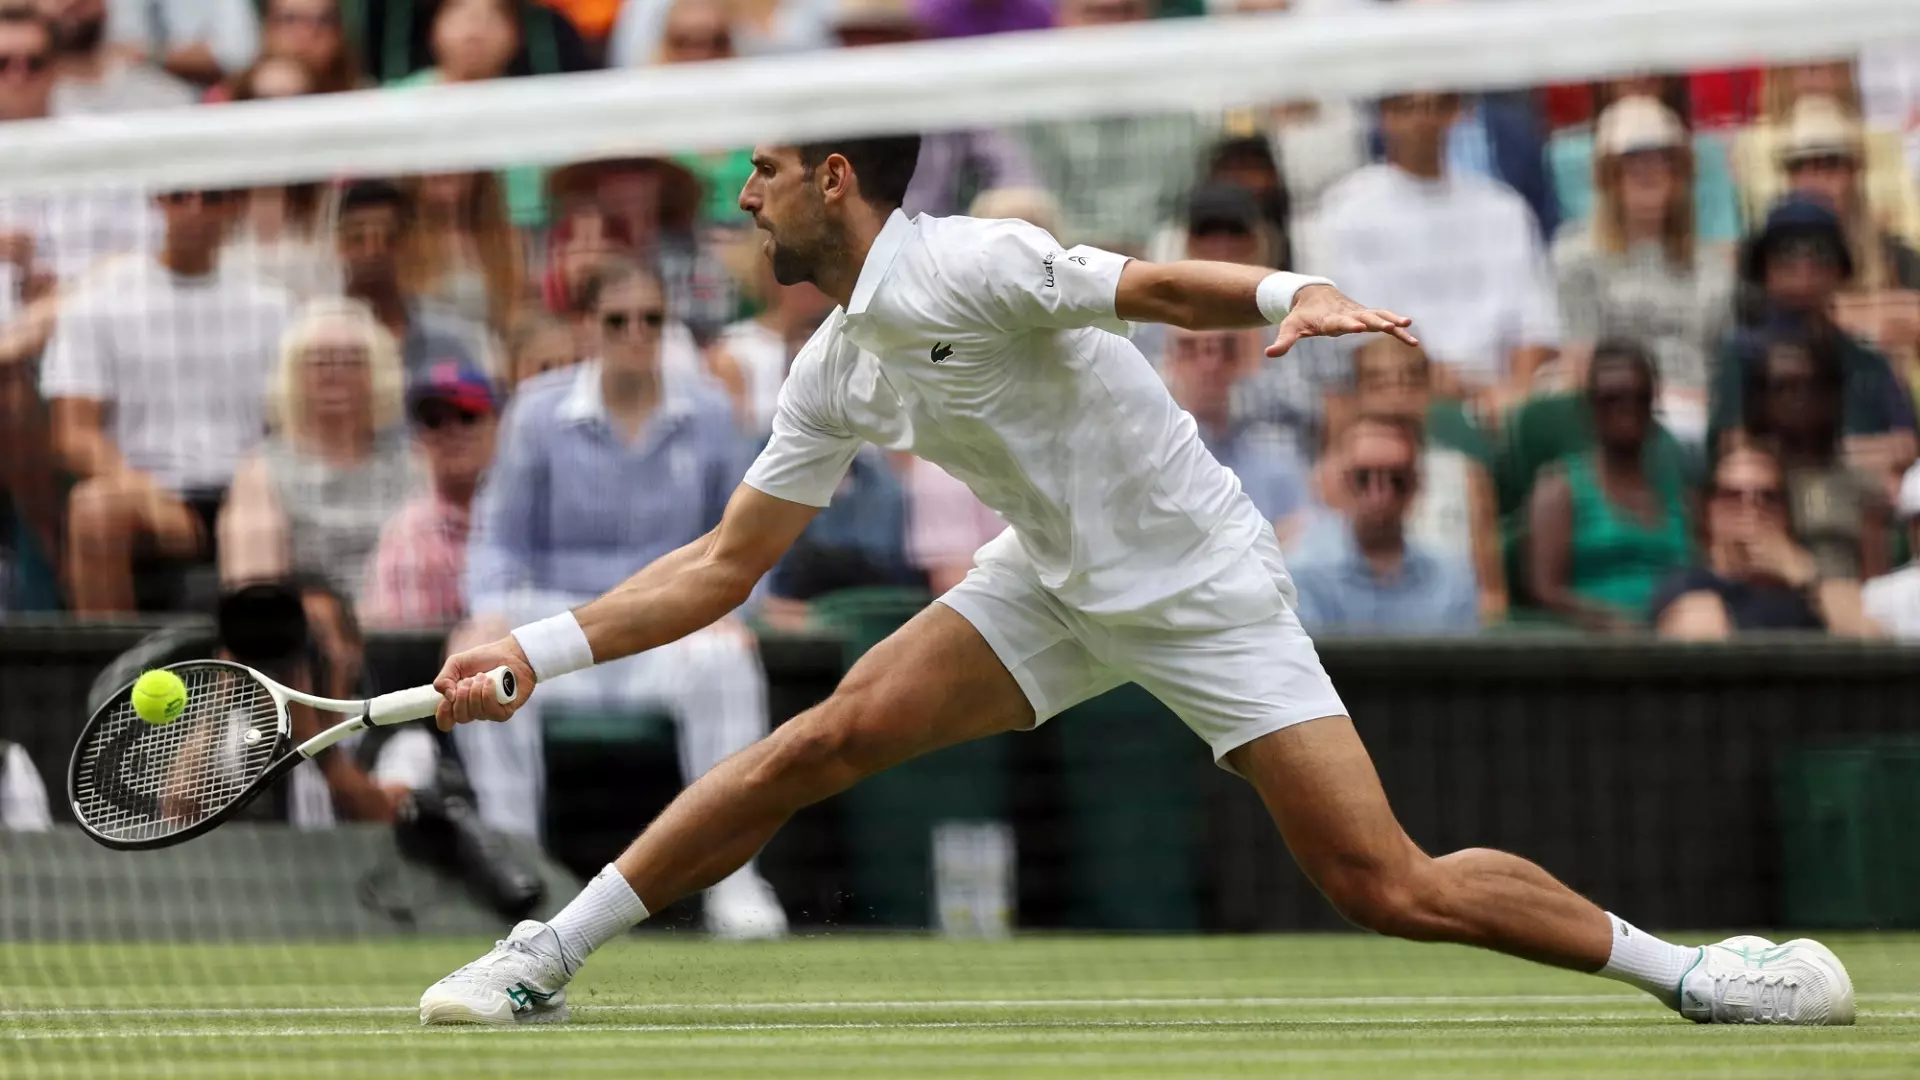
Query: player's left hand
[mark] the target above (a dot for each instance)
(1324, 311)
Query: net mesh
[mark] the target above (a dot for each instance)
(333, 346)
(137, 782)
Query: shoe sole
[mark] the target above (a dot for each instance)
(455, 1014)
(1841, 1014)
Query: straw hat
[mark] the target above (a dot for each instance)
(1636, 124)
(1819, 128)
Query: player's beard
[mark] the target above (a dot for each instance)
(790, 266)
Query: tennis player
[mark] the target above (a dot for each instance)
(994, 352)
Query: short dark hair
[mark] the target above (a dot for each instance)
(373, 194)
(1621, 354)
(1829, 378)
(884, 165)
(616, 271)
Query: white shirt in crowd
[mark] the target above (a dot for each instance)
(181, 363)
(230, 29)
(23, 797)
(988, 349)
(72, 231)
(1458, 255)
(124, 87)
(761, 353)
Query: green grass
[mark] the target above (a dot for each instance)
(875, 1006)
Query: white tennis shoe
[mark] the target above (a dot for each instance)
(522, 981)
(743, 907)
(1750, 980)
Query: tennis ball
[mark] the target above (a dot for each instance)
(159, 697)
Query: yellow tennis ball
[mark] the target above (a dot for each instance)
(159, 697)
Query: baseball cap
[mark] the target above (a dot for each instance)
(457, 383)
(1218, 208)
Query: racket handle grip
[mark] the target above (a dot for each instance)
(423, 701)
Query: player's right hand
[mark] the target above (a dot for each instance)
(466, 694)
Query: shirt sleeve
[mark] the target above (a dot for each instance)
(234, 37)
(79, 359)
(1021, 278)
(811, 448)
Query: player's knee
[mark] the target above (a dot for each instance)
(1397, 900)
(823, 747)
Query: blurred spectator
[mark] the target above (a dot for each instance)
(762, 347)
(946, 524)
(1822, 153)
(1250, 163)
(1201, 370)
(283, 238)
(1836, 510)
(1222, 223)
(759, 26)
(584, 239)
(1892, 600)
(311, 32)
(954, 166)
(1886, 183)
(1457, 253)
(538, 344)
(272, 77)
(592, 18)
(1606, 529)
(698, 31)
(157, 375)
(860, 541)
(201, 41)
(1455, 514)
(1755, 576)
(374, 223)
(95, 78)
(1634, 271)
(970, 18)
(462, 253)
(1117, 177)
(28, 279)
(1034, 206)
(1573, 165)
(23, 797)
(419, 569)
(650, 462)
(1377, 580)
(1796, 265)
(646, 208)
(400, 38)
(311, 501)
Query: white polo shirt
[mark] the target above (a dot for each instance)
(988, 349)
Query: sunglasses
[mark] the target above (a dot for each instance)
(619, 322)
(440, 417)
(1758, 498)
(31, 63)
(1400, 481)
(217, 197)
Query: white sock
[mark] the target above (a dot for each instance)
(1642, 960)
(605, 909)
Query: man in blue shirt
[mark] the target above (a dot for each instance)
(1375, 581)
(602, 469)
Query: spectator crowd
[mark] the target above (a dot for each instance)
(1671, 352)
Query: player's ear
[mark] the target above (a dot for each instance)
(835, 176)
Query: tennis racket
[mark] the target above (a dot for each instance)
(135, 785)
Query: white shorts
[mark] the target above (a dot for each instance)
(1228, 657)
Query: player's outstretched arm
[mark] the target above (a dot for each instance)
(1197, 295)
(676, 594)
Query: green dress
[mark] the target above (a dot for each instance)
(1619, 560)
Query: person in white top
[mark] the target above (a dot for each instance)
(1459, 253)
(1132, 555)
(156, 377)
(1892, 600)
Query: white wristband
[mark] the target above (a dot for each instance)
(1277, 290)
(555, 646)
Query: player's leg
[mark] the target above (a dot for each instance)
(1321, 788)
(933, 683)
(1319, 784)
(717, 689)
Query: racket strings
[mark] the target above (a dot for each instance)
(140, 781)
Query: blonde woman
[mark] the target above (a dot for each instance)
(1635, 271)
(312, 499)
(463, 251)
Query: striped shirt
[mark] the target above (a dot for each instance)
(415, 578)
(569, 507)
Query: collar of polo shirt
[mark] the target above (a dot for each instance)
(584, 403)
(886, 246)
